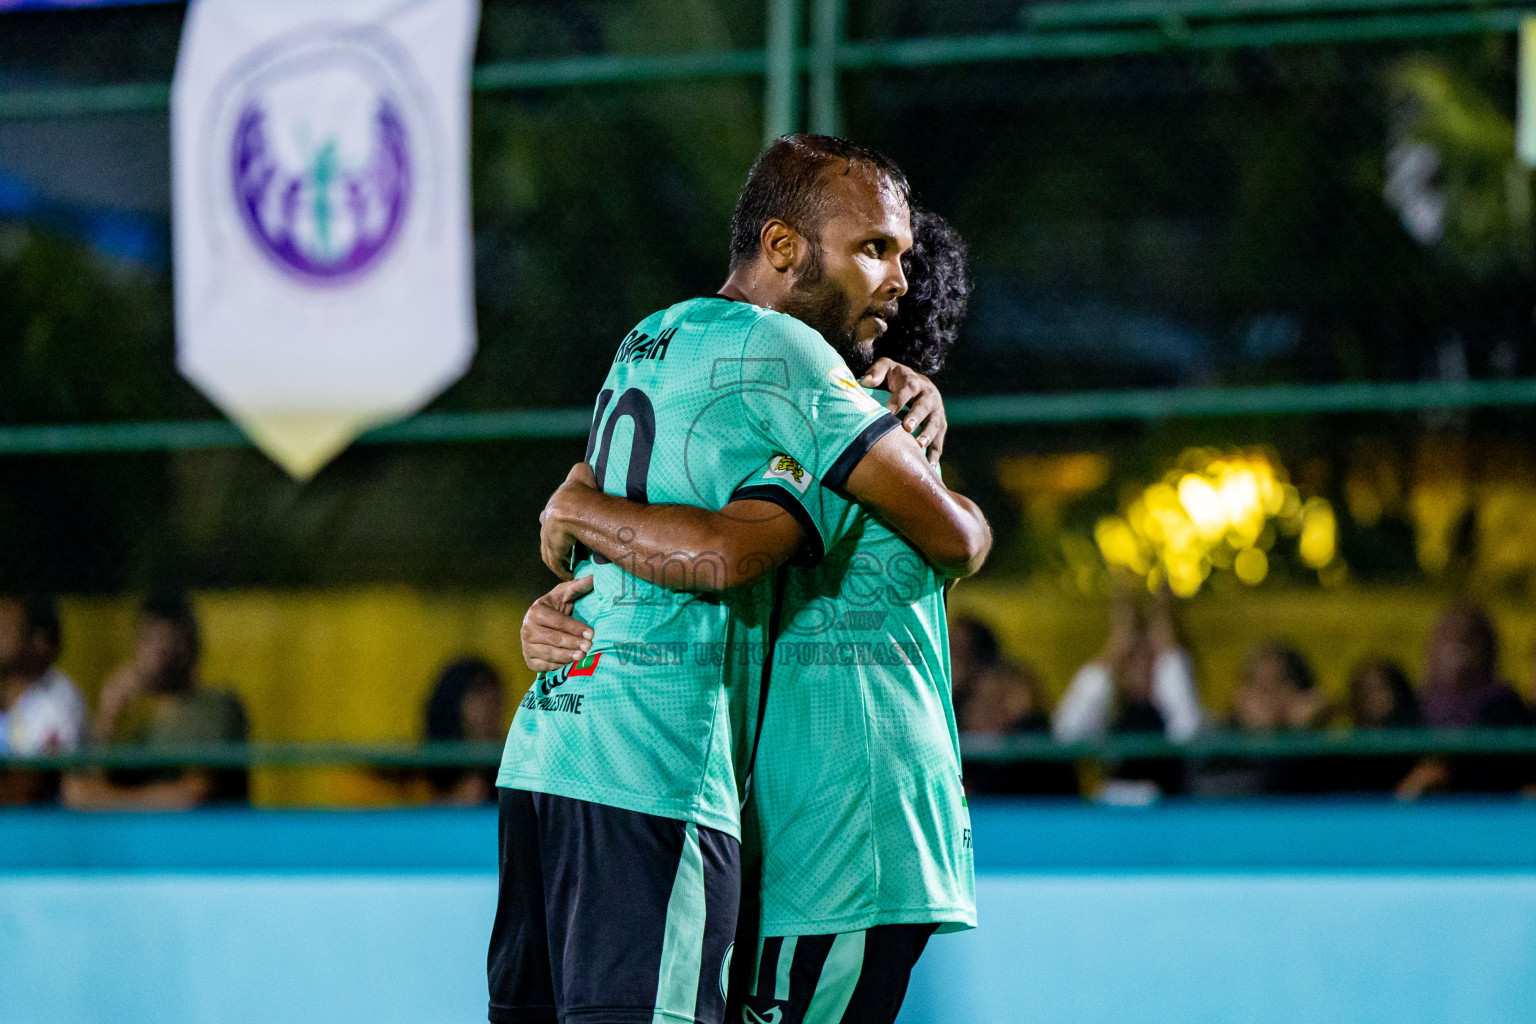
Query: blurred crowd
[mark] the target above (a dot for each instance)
(1144, 682)
(156, 702)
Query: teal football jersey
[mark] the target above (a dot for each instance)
(856, 796)
(655, 718)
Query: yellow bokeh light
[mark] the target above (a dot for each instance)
(1290, 503)
(1239, 490)
(1334, 574)
(1251, 566)
(1217, 511)
(1185, 577)
(1119, 545)
(1203, 505)
(1319, 534)
(1272, 495)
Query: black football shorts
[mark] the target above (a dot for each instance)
(609, 916)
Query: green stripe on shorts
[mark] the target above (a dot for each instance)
(839, 977)
(682, 948)
(786, 960)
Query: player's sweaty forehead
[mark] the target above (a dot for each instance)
(862, 205)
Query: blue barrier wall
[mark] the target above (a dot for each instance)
(1345, 912)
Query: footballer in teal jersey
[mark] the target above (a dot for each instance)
(621, 781)
(857, 773)
(698, 396)
(858, 765)
(856, 798)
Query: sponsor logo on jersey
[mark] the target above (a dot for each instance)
(541, 695)
(843, 378)
(751, 1016)
(782, 467)
(570, 703)
(585, 668)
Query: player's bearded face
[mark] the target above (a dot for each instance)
(840, 307)
(849, 278)
(818, 301)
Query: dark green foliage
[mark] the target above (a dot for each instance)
(1179, 219)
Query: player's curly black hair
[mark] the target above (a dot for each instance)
(928, 317)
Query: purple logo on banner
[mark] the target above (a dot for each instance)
(320, 149)
(320, 218)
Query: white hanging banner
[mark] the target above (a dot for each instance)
(320, 153)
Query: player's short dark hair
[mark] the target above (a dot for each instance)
(929, 315)
(785, 183)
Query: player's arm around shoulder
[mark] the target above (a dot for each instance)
(892, 476)
(895, 480)
(680, 547)
(899, 479)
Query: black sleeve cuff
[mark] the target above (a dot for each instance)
(814, 548)
(859, 447)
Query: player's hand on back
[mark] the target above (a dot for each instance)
(552, 638)
(555, 542)
(924, 418)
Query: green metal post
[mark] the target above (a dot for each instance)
(781, 99)
(826, 33)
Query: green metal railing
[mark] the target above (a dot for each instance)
(980, 749)
(992, 410)
(1184, 403)
(270, 755)
(1374, 743)
(1083, 28)
(1095, 28)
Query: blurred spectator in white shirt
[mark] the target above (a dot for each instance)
(41, 710)
(1142, 681)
